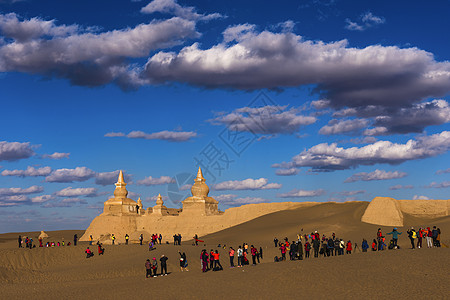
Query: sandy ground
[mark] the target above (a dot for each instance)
(120, 274)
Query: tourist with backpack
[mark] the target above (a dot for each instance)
(231, 253)
(349, 247)
(307, 249)
(240, 254)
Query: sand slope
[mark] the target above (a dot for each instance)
(64, 271)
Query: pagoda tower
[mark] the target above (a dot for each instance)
(120, 204)
(200, 203)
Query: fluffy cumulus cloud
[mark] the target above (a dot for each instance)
(269, 119)
(165, 135)
(18, 196)
(246, 184)
(386, 76)
(352, 126)
(42, 198)
(367, 20)
(376, 175)
(329, 157)
(70, 175)
(400, 187)
(419, 197)
(156, 181)
(30, 171)
(173, 8)
(296, 193)
(109, 178)
(76, 192)
(56, 155)
(11, 151)
(84, 57)
(441, 185)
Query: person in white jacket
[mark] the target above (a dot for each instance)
(240, 254)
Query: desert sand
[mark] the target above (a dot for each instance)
(120, 273)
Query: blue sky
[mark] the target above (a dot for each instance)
(293, 101)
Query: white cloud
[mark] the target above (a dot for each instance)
(70, 175)
(56, 155)
(156, 181)
(330, 157)
(246, 184)
(368, 20)
(20, 191)
(446, 171)
(30, 171)
(109, 178)
(68, 202)
(287, 172)
(351, 193)
(296, 193)
(232, 200)
(441, 185)
(42, 198)
(376, 175)
(417, 197)
(85, 58)
(266, 120)
(386, 76)
(12, 151)
(399, 187)
(114, 134)
(171, 136)
(352, 126)
(76, 192)
(173, 8)
(225, 197)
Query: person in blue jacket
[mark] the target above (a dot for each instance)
(395, 235)
(364, 245)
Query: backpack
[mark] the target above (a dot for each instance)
(276, 259)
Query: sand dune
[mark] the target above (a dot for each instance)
(65, 272)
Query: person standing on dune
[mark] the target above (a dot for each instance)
(154, 266)
(349, 247)
(275, 241)
(127, 237)
(163, 261)
(316, 246)
(395, 235)
(307, 249)
(20, 241)
(148, 268)
(160, 238)
(75, 239)
(412, 237)
(113, 238)
(253, 252)
(231, 253)
(211, 259)
(240, 254)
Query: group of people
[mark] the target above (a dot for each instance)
(29, 242)
(89, 252)
(152, 266)
(432, 237)
(177, 239)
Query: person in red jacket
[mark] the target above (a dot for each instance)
(253, 251)
(217, 265)
(283, 252)
(349, 247)
(307, 249)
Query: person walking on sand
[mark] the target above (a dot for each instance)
(395, 235)
(275, 241)
(211, 259)
(20, 241)
(283, 251)
(148, 268)
(127, 237)
(231, 253)
(160, 238)
(364, 245)
(204, 260)
(260, 253)
(434, 234)
(217, 265)
(90, 240)
(374, 245)
(141, 239)
(240, 254)
(429, 235)
(75, 239)
(113, 238)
